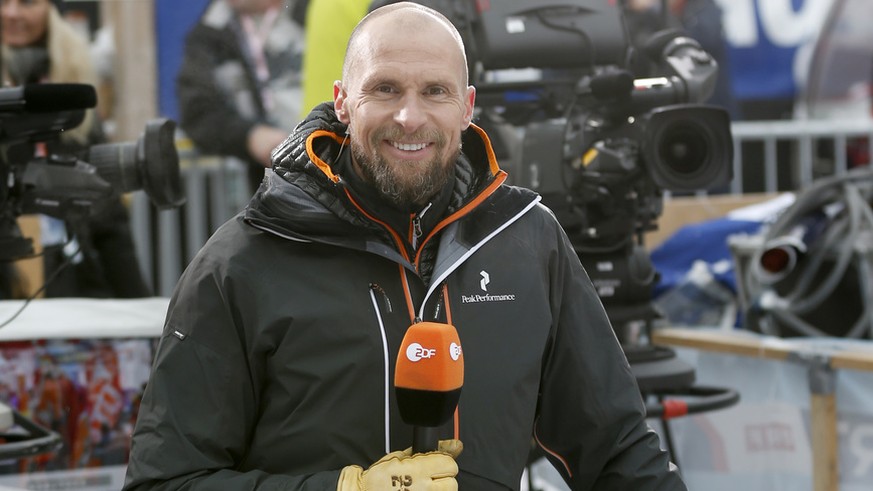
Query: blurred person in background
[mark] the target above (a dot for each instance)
(93, 257)
(329, 25)
(239, 87)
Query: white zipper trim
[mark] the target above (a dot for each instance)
(387, 371)
(439, 279)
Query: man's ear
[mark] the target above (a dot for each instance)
(339, 100)
(469, 104)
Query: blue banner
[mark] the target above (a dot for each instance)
(173, 20)
(770, 42)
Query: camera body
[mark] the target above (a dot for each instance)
(69, 186)
(598, 143)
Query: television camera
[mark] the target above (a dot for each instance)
(68, 186)
(599, 143)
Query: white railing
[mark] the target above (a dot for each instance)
(802, 137)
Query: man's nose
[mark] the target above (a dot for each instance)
(411, 114)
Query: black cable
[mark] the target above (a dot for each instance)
(585, 37)
(853, 192)
(67, 261)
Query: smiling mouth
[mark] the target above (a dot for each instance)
(409, 147)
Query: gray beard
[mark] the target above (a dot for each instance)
(404, 193)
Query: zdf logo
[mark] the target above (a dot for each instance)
(455, 351)
(415, 352)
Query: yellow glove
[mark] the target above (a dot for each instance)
(405, 471)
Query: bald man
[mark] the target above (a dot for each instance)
(383, 209)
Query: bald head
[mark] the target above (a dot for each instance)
(410, 17)
(406, 101)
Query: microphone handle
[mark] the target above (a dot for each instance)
(424, 439)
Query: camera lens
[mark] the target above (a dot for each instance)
(688, 147)
(151, 163)
(684, 148)
(118, 164)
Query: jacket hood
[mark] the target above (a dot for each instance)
(305, 197)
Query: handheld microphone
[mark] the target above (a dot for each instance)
(428, 377)
(43, 98)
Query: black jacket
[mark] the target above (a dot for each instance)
(276, 365)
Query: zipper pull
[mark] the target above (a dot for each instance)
(416, 225)
(416, 231)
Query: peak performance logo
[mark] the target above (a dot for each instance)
(486, 278)
(486, 297)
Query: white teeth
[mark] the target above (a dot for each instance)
(409, 147)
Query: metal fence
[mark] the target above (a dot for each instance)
(769, 156)
(166, 240)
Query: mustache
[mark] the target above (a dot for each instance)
(396, 134)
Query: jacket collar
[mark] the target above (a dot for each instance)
(309, 159)
(308, 184)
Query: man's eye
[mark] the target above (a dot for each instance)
(436, 91)
(385, 89)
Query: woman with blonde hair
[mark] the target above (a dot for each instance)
(40, 46)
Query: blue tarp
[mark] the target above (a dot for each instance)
(706, 241)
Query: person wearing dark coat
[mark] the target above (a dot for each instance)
(384, 210)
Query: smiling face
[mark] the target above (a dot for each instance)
(406, 100)
(24, 21)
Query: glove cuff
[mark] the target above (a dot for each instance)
(350, 479)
